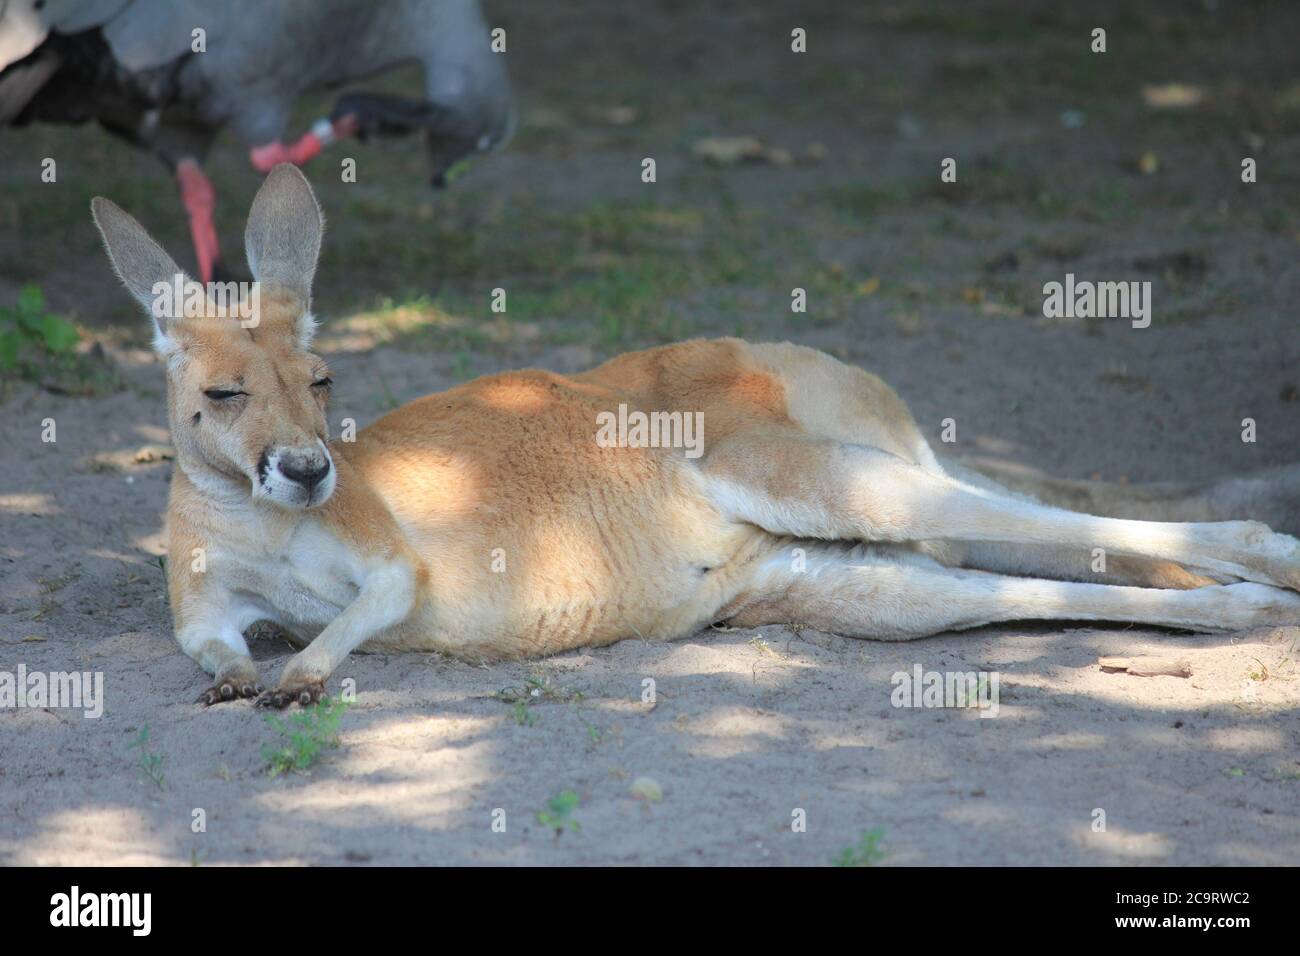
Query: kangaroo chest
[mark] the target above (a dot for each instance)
(302, 581)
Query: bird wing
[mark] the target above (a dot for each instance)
(149, 33)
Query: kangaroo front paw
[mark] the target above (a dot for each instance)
(236, 682)
(305, 693)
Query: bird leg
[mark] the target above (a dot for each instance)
(200, 199)
(323, 132)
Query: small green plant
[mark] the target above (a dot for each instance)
(558, 814)
(30, 337)
(311, 731)
(866, 853)
(522, 714)
(41, 347)
(536, 689)
(150, 763)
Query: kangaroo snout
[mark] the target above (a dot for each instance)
(307, 469)
(297, 477)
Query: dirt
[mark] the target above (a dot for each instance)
(941, 294)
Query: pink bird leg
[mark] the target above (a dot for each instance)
(264, 158)
(200, 200)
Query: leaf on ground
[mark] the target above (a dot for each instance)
(1172, 96)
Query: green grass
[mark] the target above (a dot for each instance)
(151, 763)
(310, 732)
(40, 346)
(558, 813)
(537, 689)
(615, 271)
(866, 852)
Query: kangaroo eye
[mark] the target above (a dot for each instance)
(325, 382)
(221, 394)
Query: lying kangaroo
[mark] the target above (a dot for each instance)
(490, 521)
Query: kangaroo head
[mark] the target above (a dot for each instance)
(245, 395)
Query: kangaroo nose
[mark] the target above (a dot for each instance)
(307, 472)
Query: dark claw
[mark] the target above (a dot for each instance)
(280, 699)
(225, 691)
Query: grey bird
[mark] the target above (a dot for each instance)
(167, 75)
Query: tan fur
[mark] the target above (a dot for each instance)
(486, 521)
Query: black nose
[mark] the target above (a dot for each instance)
(308, 473)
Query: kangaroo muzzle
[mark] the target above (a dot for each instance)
(296, 477)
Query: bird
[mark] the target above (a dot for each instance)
(169, 75)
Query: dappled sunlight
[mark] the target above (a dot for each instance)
(1120, 845)
(825, 735)
(158, 434)
(726, 732)
(1069, 741)
(1235, 740)
(108, 554)
(516, 395)
(365, 330)
(688, 658)
(29, 504)
(839, 237)
(152, 544)
(418, 771)
(123, 834)
(1139, 693)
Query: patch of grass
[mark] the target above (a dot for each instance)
(41, 347)
(865, 200)
(522, 714)
(620, 268)
(558, 813)
(29, 334)
(537, 689)
(310, 732)
(151, 764)
(867, 852)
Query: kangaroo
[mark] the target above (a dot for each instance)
(491, 520)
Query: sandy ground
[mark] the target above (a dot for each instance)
(747, 726)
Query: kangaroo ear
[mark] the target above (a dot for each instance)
(142, 265)
(282, 240)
